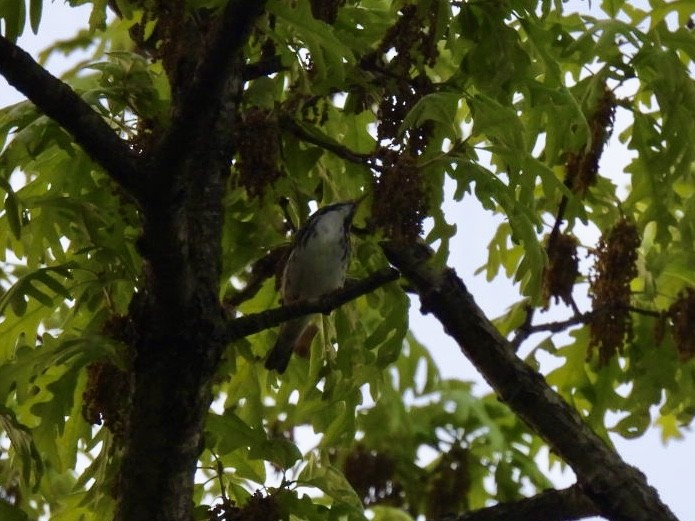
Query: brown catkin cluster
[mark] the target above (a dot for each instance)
(394, 107)
(582, 167)
(682, 315)
(107, 394)
(449, 485)
(562, 269)
(258, 142)
(615, 267)
(372, 475)
(413, 32)
(104, 399)
(326, 10)
(411, 43)
(400, 200)
(257, 507)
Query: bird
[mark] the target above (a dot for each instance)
(317, 265)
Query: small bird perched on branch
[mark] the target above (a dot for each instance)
(316, 266)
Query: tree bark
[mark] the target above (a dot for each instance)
(177, 312)
(569, 504)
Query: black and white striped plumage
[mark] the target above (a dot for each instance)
(317, 265)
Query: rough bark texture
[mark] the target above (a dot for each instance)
(550, 505)
(619, 490)
(177, 312)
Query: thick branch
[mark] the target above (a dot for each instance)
(177, 311)
(620, 491)
(250, 324)
(200, 107)
(550, 505)
(59, 102)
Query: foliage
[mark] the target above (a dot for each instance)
(513, 101)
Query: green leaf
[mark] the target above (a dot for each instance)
(32, 291)
(35, 10)
(97, 18)
(24, 287)
(497, 122)
(573, 373)
(680, 267)
(245, 467)
(12, 212)
(280, 451)
(612, 7)
(328, 53)
(13, 13)
(633, 425)
(231, 432)
(330, 480)
(11, 513)
(22, 445)
(262, 93)
(386, 513)
(669, 428)
(410, 365)
(440, 107)
(17, 301)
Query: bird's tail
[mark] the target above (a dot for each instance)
(280, 355)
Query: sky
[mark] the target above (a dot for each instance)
(668, 468)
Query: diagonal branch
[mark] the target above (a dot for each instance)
(620, 491)
(200, 107)
(550, 505)
(528, 328)
(59, 102)
(256, 322)
(315, 137)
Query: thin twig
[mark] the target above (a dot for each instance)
(645, 312)
(560, 325)
(527, 329)
(256, 322)
(326, 143)
(559, 217)
(524, 330)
